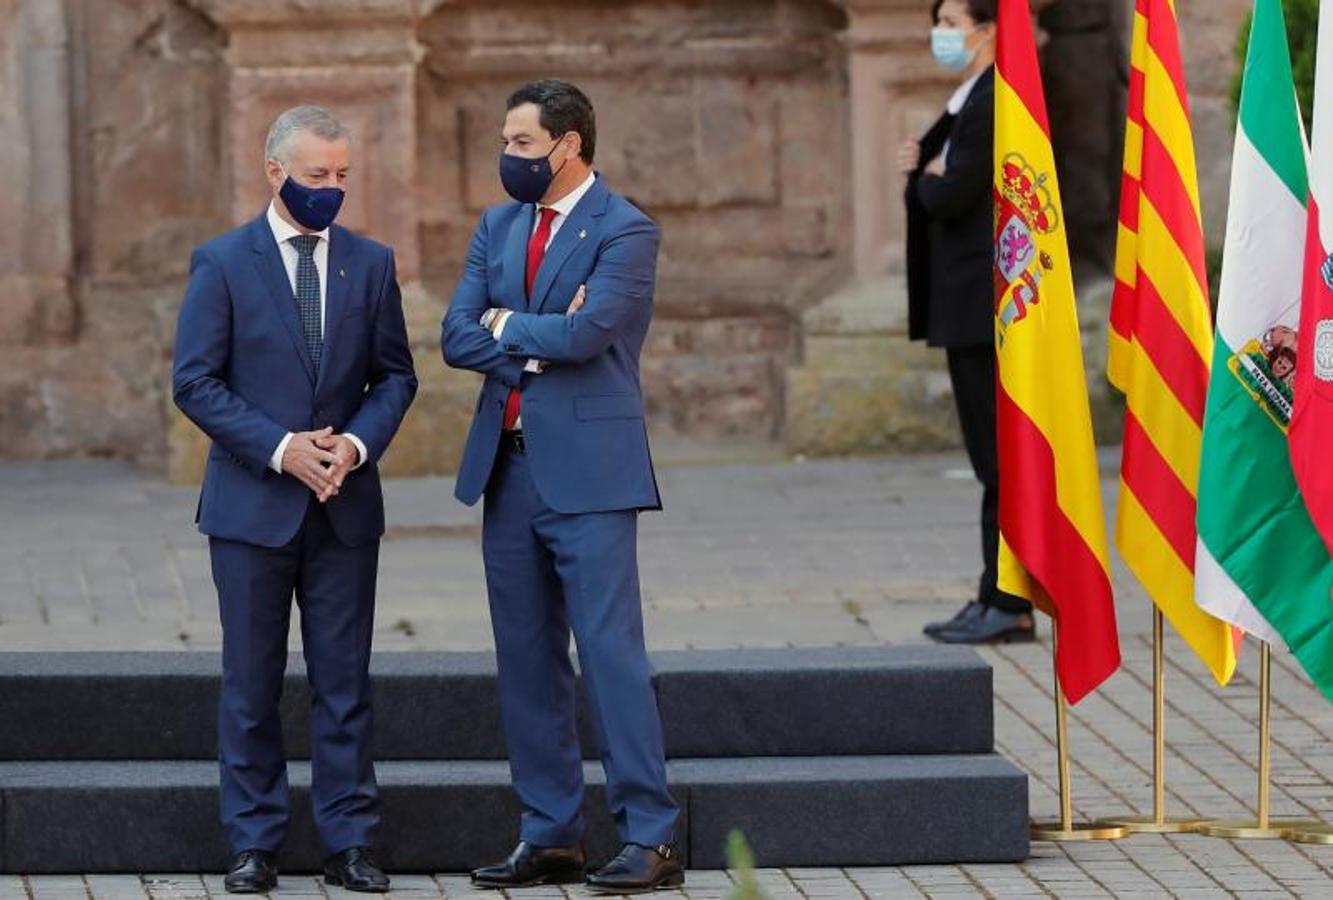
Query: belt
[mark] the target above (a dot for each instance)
(513, 442)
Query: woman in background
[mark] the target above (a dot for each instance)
(950, 240)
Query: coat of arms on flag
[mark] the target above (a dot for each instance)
(1023, 209)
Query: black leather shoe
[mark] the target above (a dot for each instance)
(639, 870)
(993, 626)
(355, 870)
(252, 872)
(529, 865)
(969, 611)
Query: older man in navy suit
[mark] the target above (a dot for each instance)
(553, 307)
(292, 356)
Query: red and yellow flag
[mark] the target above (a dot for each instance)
(1052, 534)
(1161, 337)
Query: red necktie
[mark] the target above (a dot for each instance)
(536, 253)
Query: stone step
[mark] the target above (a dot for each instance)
(144, 816)
(779, 702)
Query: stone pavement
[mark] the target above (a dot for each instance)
(750, 552)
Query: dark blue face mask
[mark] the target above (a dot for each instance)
(313, 208)
(528, 180)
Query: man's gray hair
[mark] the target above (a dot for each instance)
(315, 119)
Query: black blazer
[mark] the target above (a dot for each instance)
(950, 228)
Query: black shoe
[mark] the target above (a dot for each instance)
(529, 865)
(993, 626)
(252, 872)
(969, 611)
(355, 870)
(638, 870)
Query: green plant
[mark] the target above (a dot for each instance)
(1302, 24)
(740, 860)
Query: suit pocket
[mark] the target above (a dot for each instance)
(608, 406)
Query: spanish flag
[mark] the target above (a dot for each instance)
(1161, 338)
(1052, 535)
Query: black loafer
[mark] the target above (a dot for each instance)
(639, 870)
(970, 610)
(252, 872)
(354, 870)
(530, 865)
(993, 626)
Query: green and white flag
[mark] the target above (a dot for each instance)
(1259, 558)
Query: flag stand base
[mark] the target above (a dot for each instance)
(1097, 831)
(1254, 830)
(1262, 828)
(1065, 829)
(1157, 823)
(1311, 833)
(1151, 825)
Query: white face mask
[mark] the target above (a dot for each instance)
(949, 47)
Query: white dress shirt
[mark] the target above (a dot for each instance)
(283, 232)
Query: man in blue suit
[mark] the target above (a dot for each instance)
(292, 356)
(553, 307)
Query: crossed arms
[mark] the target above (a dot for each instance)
(620, 282)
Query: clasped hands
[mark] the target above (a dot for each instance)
(320, 460)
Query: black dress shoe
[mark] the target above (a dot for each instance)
(638, 870)
(529, 865)
(969, 611)
(993, 626)
(355, 870)
(252, 872)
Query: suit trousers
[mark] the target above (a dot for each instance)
(548, 573)
(334, 586)
(972, 374)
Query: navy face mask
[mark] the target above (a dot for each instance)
(528, 180)
(314, 208)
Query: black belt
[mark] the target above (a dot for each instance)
(513, 442)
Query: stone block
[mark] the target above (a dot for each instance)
(857, 811)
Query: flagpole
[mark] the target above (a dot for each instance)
(1065, 829)
(1262, 827)
(1157, 823)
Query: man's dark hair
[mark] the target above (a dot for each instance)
(981, 11)
(564, 108)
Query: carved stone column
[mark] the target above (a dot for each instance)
(36, 220)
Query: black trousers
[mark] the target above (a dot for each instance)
(972, 373)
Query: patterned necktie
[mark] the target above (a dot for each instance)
(536, 253)
(307, 295)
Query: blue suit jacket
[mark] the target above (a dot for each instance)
(582, 416)
(242, 373)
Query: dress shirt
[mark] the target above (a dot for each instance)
(283, 232)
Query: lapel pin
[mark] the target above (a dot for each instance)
(342, 273)
(583, 233)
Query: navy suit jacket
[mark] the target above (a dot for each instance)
(242, 373)
(583, 416)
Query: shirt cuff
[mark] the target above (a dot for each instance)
(500, 326)
(275, 461)
(360, 449)
(534, 366)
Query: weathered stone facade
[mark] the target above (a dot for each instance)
(760, 133)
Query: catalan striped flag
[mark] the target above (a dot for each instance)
(1052, 534)
(1161, 337)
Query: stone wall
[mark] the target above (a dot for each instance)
(758, 132)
